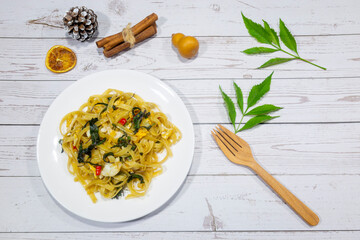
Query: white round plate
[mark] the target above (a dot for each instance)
(53, 164)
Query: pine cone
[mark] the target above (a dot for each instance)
(81, 23)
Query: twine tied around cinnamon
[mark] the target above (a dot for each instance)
(128, 35)
(115, 43)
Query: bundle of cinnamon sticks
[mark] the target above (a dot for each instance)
(115, 43)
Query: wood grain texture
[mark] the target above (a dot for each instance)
(293, 235)
(204, 203)
(305, 17)
(313, 148)
(309, 149)
(238, 151)
(303, 100)
(287, 196)
(219, 57)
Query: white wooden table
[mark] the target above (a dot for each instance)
(313, 148)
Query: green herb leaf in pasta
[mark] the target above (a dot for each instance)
(95, 140)
(147, 127)
(123, 141)
(94, 131)
(81, 154)
(84, 151)
(138, 117)
(133, 176)
(61, 142)
(106, 155)
(119, 194)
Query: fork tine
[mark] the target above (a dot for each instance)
(228, 153)
(233, 136)
(229, 138)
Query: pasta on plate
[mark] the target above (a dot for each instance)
(113, 143)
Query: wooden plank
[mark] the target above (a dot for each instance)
(309, 149)
(219, 57)
(200, 18)
(219, 199)
(213, 203)
(314, 235)
(303, 100)
(18, 161)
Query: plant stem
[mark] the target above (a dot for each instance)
(304, 60)
(298, 57)
(237, 129)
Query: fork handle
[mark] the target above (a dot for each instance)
(299, 207)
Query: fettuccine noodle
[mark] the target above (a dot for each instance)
(113, 142)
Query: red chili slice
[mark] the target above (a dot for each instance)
(98, 170)
(122, 121)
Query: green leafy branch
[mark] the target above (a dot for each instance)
(260, 112)
(265, 34)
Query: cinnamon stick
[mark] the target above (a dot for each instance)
(116, 39)
(105, 40)
(148, 32)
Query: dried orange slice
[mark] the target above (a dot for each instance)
(60, 59)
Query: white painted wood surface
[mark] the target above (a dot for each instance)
(219, 57)
(310, 149)
(313, 148)
(268, 235)
(200, 18)
(304, 100)
(204, 203)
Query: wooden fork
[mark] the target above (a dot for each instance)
(238, 151)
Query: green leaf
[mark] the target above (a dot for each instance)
(272, 33)
(258, 91)
(259, 50)
(106, 155)
(256, 120)
(263, 109)
(240, 98)
(230, 107)
(123, 141)
(61, 142)
(138, 117)
(275, 61)
(84, 151)
(287, 38)
(119, 194)
(94, 131)
(133, 176)
(256, 31)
